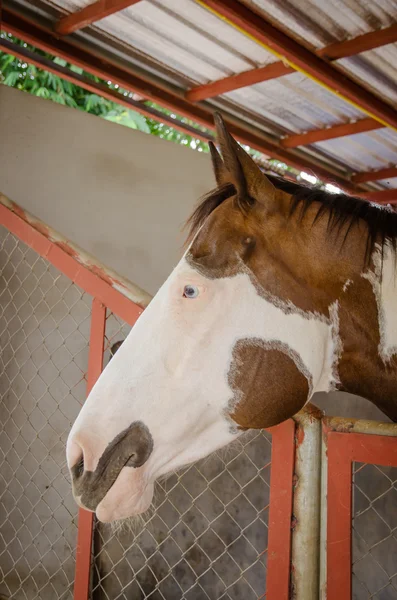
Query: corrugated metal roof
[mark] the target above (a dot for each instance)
(186, 39)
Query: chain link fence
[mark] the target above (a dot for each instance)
(44, 332)
(206, 536)
(374, 532)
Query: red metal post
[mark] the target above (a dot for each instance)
(85, 524)
(343, 450)
(339, 521)
(280, 511)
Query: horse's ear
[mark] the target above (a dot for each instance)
(242, 171)
(218, 166)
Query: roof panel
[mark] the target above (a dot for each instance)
(321, 23)
(296, 103)
(363, 151)
(200, 47)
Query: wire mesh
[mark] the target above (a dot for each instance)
(44, 332)
(374, 532)
(206, 538)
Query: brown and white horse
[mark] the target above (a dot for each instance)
(284, 291)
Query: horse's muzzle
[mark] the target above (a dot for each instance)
(130, 448)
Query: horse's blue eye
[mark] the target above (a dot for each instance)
(190, 291)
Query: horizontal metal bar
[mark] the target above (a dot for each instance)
(375, 175)
(361, 43)
(330, 133)
(302, 59)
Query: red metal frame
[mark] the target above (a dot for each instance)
(280, 511)
(302, 59)
(387, 173)
(343, 450)
(86, 518)
(361, 43)
(105, 296)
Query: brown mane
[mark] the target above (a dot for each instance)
(340, 209)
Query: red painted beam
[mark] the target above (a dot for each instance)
(303, 59)
(375, 175)
(330, 133)
(364, 42)
(45, 40)
(90, 14)
(361, 43)
(380, 196)
(221, 86)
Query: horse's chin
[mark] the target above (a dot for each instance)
(128, 497)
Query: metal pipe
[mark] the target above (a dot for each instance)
(306, 507)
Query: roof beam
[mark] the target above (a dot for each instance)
(45, 40)
(380, 196)
(234, 82)
(330, 133)
(364, 42)
(303, 60)
(375, 175)
(361, 43)
(90, 14)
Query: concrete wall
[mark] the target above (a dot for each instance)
(120, 194)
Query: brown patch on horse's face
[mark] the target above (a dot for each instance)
(261, 400)
(295, 262)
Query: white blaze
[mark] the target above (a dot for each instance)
(171, 373)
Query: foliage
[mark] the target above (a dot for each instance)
(33, 80)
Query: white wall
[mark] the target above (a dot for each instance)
(120, 194)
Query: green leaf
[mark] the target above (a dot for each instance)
(12, 78)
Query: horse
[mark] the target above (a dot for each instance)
(284, 290)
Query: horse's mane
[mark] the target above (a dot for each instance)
(340, 209)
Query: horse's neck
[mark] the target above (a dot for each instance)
(368, 332)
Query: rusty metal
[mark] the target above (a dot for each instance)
(347, 425)
(306, 508)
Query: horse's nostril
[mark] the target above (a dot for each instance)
(79, 467)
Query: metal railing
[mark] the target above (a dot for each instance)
(214, 531)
